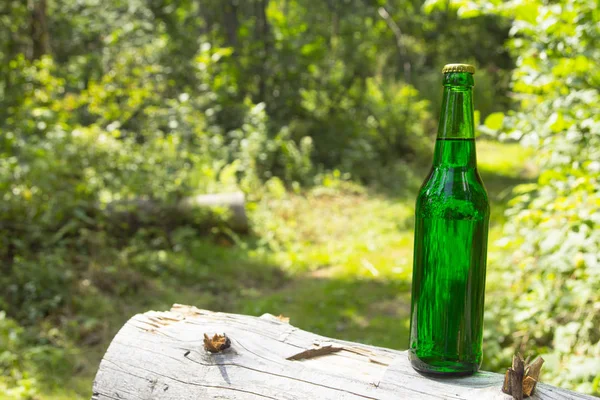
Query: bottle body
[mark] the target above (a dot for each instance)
(450, 250)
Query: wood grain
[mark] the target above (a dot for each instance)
(161, 355)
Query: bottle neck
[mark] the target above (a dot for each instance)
(455, 145)
(455, 153)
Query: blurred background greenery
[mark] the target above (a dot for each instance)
(323, 112)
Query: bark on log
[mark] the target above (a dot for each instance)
(161, 355)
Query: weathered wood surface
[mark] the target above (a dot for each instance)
(160, 355)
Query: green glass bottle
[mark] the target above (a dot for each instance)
(450, 250)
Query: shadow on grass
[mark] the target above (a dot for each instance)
(207, 273)
(368, 311)
(350, 308)
(500, 191)
(498, 185)
(230, 279)
(324, 232)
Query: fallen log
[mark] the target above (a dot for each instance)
(235, 202)
(134, 212)
(165, 355)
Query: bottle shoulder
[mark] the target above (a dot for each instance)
(453, 193)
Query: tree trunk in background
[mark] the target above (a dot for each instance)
(231, 22)
(335, 22)
(286, 8)
(263, 34)
(205, 12)
(402, 53)
(335, 25)
(40, 36)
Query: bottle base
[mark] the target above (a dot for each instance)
(436, 368)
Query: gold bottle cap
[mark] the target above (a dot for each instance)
(458, 68)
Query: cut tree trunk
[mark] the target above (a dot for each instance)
(161, 355)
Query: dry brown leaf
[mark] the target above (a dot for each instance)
(217, 343)
(283, 318)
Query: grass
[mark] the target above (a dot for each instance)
(337, 260)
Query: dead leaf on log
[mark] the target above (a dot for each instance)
(520, 380)
(283, 318)
(217, 343)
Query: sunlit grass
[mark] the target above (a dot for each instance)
(357, 235)
(510, 160)
(338, 262)
(347, 247)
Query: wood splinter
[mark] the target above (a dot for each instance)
(316, 352)
(520, 380)
(217, 343)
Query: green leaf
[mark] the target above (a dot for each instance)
(557, 122)
(469, 10)
(526, 11)
(477, 117)
(494, 121)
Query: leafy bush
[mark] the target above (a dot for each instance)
(20, 357)
(552, 266)
(66, 155)
(368, 127)
(13, 380)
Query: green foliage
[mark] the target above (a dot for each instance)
(392, 123)
(13, 381)
(70, 150)
(21, 357)
(552, 236)
(291, 102)
(494, 121)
